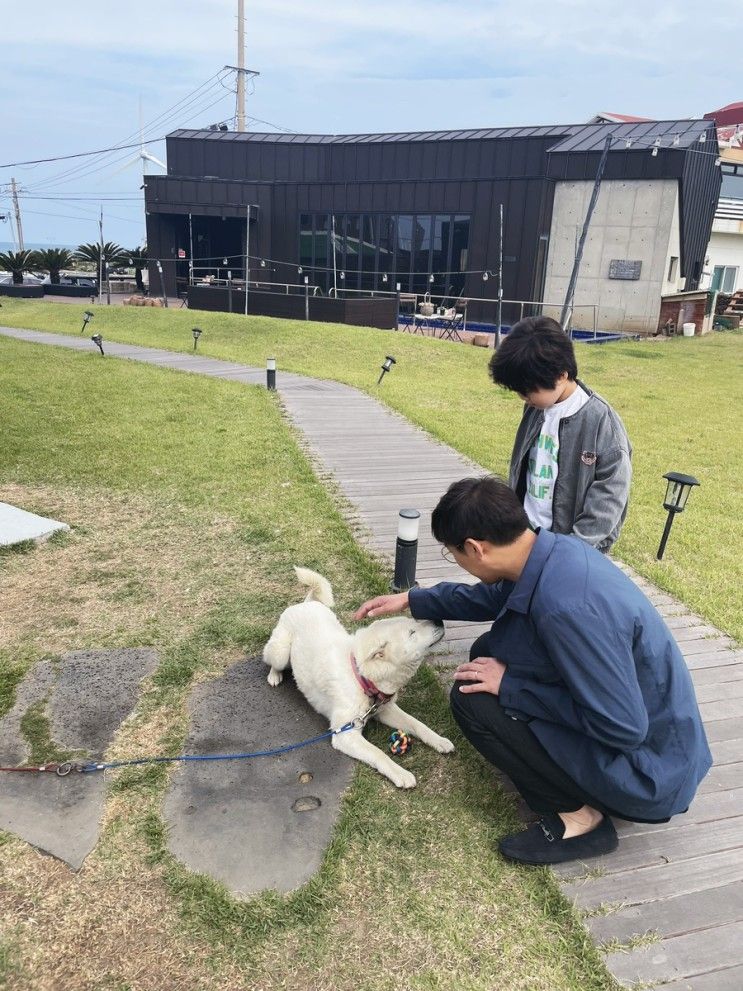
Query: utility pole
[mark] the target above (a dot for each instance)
(100, 258)
(19, 229)
(240, 65)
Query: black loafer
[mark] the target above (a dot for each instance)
(542, 843)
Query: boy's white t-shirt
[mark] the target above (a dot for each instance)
(542, 468)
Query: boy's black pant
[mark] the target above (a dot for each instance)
(511, 746)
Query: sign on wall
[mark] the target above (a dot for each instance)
(624, 268)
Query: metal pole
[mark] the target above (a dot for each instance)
(567, 308)
(666, 531)
(190, 249)
(500, 281)
(100, 258)
(247, 260)
(594, 321)
(306, 297)
(397, 295)
(229, 291)
(240, 65)
(17, 209)
(335, 284)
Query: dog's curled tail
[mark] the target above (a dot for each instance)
(319, 587)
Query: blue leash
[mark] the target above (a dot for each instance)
(62, 770)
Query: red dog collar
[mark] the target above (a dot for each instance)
(368, 686)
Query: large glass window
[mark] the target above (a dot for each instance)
(459, 253)
(306, 241)
(404, 251)
(440, 255)
(368, 251)
(386, 269)
(422, 252)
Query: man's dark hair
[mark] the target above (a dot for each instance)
(533, 356)
(481, 509)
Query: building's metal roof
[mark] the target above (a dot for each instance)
(641, 134)
(458, 135)
(570, 137)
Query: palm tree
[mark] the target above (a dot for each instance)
(17, 262)
(53, 260)
(137, 258)
(113, 254)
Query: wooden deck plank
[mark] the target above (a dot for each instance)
(727, 979)
(672, 916)
(683, 841)
(681, 956)
(637, 887)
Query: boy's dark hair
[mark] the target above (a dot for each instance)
(533, 356)
(479, 508)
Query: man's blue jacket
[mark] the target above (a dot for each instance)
(595, 670)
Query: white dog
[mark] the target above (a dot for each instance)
(342, 674)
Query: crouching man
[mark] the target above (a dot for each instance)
(579, 692)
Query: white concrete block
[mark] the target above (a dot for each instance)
(17, 525)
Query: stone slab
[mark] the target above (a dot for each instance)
(87, 695)
(234, 819)
(17, 525)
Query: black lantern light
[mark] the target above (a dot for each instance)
(271, 374)
(98, 341)
(386, 366)
(196, 335)
(677, 492)
(87, 317)
(406, 549)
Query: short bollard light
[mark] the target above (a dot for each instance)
(406, 549)
(98, 341)
(271, 374)
(196, 335)
(87, 317)
(677, 492)
(386, 366)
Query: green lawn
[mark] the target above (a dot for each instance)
(189, 501)
(679, 400)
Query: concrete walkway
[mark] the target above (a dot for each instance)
(682, 879)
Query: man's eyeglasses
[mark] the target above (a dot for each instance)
(447, 554)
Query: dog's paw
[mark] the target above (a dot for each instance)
(443, 745)
(275, 677)
(403, 778)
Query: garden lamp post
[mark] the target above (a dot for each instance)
(406, 549)
(98, 341)
(196, 335)
(271, 374)
(386, 366)
(87, 317)
(677, 492)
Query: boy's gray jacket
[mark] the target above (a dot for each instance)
(594, 470)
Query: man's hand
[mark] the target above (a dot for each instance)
(483, 674)
(383, 605)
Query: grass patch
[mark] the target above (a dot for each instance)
(21, 547)
(36, 731)
(411, 893)
(668, 393)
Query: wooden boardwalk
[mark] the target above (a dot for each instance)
(682, 881)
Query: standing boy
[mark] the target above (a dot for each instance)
(570, 464)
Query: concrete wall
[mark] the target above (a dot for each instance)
(634, 219)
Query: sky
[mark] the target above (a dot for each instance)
(73, 76)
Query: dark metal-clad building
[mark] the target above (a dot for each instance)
(366, 212)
